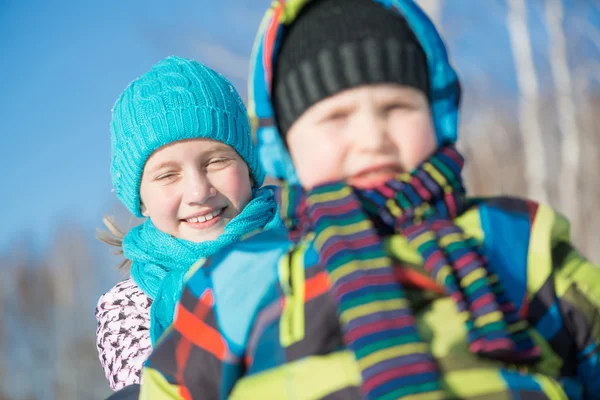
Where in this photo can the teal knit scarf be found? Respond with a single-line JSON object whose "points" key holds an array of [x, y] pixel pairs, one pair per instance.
{"points": [[161, 261]]}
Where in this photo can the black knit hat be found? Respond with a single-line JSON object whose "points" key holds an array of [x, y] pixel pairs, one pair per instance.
{"points": [[335, 45]]}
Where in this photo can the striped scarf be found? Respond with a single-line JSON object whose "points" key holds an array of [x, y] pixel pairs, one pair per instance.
{"points": [[374, 312]]}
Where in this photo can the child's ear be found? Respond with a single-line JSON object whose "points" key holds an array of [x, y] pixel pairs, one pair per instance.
{"points": [[143, 209]]}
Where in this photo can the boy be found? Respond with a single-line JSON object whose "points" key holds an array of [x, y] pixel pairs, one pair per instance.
{"points": [[390, 282]]}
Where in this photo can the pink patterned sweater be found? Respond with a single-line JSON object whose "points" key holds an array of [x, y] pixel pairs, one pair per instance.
{"points": [[122, 334]]}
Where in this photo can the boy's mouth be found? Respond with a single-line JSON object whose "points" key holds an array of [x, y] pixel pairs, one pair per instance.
{"points": [[205, 220], [372, 177]]}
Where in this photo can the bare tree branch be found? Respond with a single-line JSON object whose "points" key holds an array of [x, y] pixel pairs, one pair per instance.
{"points": [[570, 149], [535, 166]]}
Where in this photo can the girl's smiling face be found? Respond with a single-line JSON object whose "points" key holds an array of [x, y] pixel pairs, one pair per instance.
{"points": [[191, 189]]}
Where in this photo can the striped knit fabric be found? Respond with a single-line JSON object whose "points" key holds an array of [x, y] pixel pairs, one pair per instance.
{"points": [[376, 319], [421, 206]]}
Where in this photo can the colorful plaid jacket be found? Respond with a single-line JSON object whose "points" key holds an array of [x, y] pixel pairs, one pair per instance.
{"points": [[257, 321]]}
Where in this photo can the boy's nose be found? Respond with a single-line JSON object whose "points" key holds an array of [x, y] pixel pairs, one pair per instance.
{"points": [[371, 133]]}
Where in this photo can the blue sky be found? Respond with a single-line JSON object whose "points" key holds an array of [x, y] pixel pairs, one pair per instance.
{"points": [[65, 62]]}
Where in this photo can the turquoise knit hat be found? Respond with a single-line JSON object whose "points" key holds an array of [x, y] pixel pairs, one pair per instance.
{"points": [[177, 99]]}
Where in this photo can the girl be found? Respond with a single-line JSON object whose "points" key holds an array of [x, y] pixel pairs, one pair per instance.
{"points": [[183, 157]]}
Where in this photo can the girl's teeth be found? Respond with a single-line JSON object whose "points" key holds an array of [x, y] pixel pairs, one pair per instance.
{"points": [[204, 218]]}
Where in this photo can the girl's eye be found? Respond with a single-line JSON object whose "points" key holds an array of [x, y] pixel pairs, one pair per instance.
{"points": [[165, 177], [217, 162]]}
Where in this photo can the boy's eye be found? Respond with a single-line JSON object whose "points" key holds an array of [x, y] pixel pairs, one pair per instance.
{"points": [[395, 106], [337, 115]]}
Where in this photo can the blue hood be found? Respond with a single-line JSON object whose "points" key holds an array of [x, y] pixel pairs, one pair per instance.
{"points": [[444, 84]]}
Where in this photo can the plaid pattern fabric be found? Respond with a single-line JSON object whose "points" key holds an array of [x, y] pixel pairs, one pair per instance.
{"points": [[260, 316]]}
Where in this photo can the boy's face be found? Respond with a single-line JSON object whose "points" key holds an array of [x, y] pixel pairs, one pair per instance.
{"points": [[192, 189], [364, 136]]}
